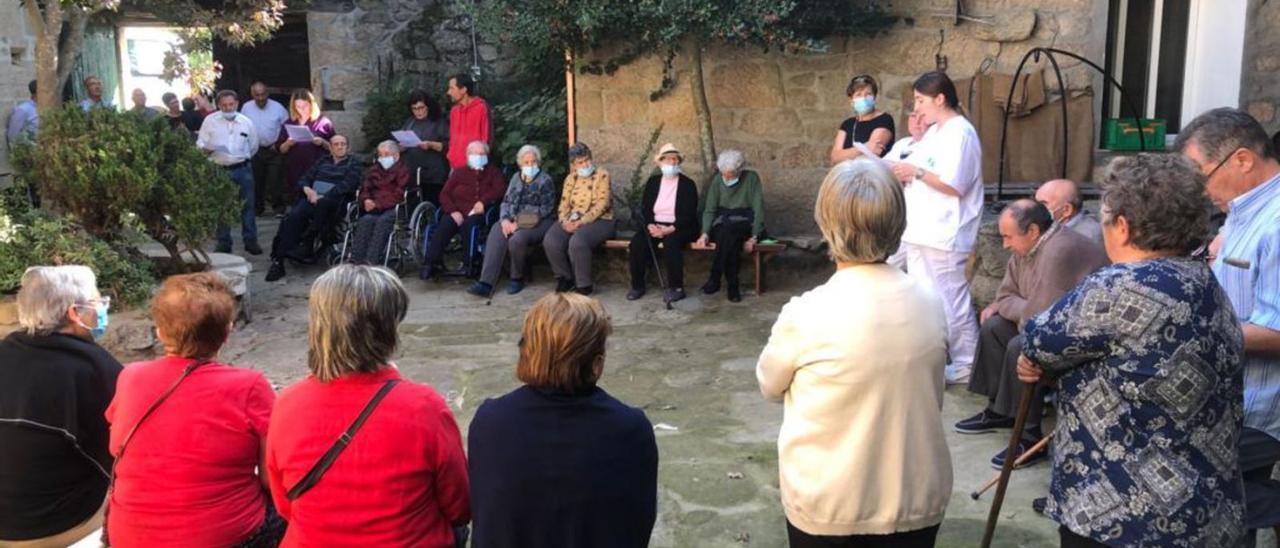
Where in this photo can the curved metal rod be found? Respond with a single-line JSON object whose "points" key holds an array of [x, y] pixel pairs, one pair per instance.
{"points": [[1062, 94]]}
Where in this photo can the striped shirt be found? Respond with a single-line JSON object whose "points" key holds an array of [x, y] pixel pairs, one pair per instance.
{"points": [[1248, 267]]}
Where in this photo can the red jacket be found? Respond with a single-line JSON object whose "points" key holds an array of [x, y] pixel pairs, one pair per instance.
{"points": [[385, 186], [467, 123], [401, 482], [467, 186]]}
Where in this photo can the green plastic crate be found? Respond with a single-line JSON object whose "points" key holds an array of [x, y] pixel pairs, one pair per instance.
{"points": [[1122, 134]]}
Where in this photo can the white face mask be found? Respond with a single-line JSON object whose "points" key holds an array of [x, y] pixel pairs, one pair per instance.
{"points": [[477, 161], [229, 116], [669, 170], [387, 162], [586, 170]]}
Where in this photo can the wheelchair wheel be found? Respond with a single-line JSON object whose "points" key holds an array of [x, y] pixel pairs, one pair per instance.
{"points": [[418, 221]]}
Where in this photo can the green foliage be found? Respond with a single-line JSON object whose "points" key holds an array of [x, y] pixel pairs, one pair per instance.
{"points": [[110, 171], [538, 120], [387, 111]]}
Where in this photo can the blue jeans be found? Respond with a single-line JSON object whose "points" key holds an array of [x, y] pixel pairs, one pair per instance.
{"points": [[242, 176]]}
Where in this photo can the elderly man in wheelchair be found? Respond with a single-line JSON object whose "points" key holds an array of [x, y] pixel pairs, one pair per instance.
{"points": [[327, 186], [468, 206], [383, 190]]}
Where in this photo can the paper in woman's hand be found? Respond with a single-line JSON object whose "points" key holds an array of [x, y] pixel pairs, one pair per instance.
{"points": [[406, 138], [301, 134]]}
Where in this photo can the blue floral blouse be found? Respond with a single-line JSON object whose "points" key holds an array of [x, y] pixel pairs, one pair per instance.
{"points": [[1147, 357]]}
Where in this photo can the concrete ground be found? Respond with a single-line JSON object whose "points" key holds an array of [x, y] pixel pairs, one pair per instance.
{"points": [[691, 369]]}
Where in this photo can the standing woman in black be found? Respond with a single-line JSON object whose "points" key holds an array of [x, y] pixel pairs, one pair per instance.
{"points": [[669, 208], [868, 125]]}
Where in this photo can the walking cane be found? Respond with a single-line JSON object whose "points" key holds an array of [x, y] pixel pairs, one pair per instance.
{"points": [[1039, 446], [1024, 407], [653, 253]]}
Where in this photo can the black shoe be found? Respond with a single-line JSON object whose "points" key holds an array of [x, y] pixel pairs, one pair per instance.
{"points": [[563, 284], [673, 294], [252, 248], [735, 294], [222, 248], [1024, 444], [515, 286], [635, 294], [480, 289], [276, 271], [711, 287], [430, 271], [584, 290], [986, 421], [1039, 504]]}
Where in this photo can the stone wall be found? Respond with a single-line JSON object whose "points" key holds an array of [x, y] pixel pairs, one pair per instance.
{"points": [[1260, 81], [353, 41], [783, 111], [17, 69]]}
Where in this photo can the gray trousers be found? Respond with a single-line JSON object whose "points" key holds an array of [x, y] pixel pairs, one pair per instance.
{"points": [[369, 244], [995, 371], [1258, 455], [498, 245], [570, 254]]}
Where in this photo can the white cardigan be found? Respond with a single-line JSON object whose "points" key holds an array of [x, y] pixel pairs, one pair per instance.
{"points": [[859, 361]]}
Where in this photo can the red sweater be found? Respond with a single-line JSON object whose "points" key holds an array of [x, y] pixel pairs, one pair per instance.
{"points": [[384, 186], [467, 123], [401, 482], [467, 186]]}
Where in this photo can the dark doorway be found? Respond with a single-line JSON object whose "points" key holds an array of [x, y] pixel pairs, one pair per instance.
{"points": [[283, 63]]}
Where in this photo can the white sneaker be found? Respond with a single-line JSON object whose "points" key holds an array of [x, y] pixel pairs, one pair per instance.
{"points": [[958, 374]]}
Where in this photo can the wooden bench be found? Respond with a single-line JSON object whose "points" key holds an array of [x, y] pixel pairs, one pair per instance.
{"points": [[758, 256]]}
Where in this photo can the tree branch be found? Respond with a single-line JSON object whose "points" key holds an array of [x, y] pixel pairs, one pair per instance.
{"points": [[77, 21]]}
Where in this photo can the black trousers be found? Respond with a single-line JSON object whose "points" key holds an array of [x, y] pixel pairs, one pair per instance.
{"points": [[919, 538], [728, 238], [446, 229], [1258, 455], [671, 254], [306, 219], [1067, 539], [268, 178], [995, 371]]}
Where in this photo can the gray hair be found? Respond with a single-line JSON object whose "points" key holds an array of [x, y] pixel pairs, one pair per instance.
{"points": [[579, 150], [48, 291], [481, 143], [529, 149], [730, 160], [1221, 131], [389, 146], [355, 311], [1026, 212], [1162, 198], [861, 212]]}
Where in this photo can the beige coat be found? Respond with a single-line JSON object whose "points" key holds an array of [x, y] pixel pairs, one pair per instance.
{"points": [[858, 362]]}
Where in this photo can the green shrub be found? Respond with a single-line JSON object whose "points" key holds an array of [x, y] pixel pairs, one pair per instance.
{"points": [[387, 109], [533, 119]]}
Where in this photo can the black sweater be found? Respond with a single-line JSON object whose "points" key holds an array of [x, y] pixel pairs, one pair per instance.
{"points": [[54, 391], [551, 470], [686, 202]]}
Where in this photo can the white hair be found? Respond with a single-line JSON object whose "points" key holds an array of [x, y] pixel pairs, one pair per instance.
{"points": [[389, 146], [482, 144], [48, 291], [530, 149], [730, 160]]}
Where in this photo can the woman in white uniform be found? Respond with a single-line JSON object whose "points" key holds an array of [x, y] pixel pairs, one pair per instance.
{"points": [[942, 181]]}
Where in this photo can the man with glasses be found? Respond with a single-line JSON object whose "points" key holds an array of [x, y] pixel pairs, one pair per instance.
{"points": [[1243, 179]]}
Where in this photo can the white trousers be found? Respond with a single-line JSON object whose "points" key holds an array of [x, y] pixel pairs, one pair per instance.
{"points": [[944, 272]]}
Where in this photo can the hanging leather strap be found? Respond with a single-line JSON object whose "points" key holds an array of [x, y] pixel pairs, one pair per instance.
{"points": [[321, 466]]}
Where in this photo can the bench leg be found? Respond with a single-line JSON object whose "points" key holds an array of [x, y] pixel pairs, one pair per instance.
{"points": [[759, 263]]}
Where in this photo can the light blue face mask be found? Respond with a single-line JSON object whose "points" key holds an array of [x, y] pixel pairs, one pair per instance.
{"points": [[229, 116], [669, 170], [529, 172], [97, 331], [864, 104], [586, 171], [386, 162], [731, 182], [477, 161]]}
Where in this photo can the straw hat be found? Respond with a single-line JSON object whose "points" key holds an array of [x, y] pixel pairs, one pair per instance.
{"points": [[668, 149]]}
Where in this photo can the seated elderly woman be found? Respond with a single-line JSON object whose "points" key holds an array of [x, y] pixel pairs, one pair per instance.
{"points": [[188, 431], [733, 218], [585, 221], [1146, 356], [56, 386], [858, 362], [468, 193], [382, 189], [326, 188], [558, 461], [402, 480], [669, 206], [527, 211]]}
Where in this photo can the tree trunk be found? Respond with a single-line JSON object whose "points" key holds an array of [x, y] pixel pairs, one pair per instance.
{"points": [[69, 53], [46, 27], [703, 113]]}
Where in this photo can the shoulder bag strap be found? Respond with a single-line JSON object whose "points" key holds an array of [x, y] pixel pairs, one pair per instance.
{"points": [[164, 396], [321, 466]]}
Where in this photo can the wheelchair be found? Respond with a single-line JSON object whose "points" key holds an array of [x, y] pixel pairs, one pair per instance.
{"points": [[459, 262], [402, 247]]}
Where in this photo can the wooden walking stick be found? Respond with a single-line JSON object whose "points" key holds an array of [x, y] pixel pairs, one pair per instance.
{"points": [[1039, 446], [1024, 407]]}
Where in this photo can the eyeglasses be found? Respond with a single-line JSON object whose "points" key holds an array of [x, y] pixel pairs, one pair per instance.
{"points": [[1220, 164], [416, 108], [104, 301]]}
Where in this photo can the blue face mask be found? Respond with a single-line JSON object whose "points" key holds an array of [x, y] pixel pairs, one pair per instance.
{"points": [[529, 172], [586, 171], [731, 182], [864, 104], [387, 162], [669, 170], [477, 161], [97, 331]]}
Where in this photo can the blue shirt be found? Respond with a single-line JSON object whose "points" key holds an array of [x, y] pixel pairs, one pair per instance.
{"points": [[1147, 361], [1248, 267], [23, 122]]}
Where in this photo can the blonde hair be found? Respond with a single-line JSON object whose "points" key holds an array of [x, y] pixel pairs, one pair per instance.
{"points": [[303, 95], [861, 212], [563, 336], [355, 312]]}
